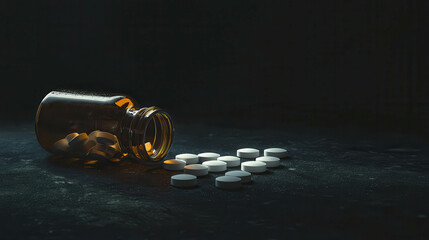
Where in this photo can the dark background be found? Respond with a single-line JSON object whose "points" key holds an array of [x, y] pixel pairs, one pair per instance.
{"points": [[315, 77], [360, 63]]}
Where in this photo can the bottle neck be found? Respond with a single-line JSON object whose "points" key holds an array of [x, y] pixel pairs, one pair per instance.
{"points": [[146, 133]]}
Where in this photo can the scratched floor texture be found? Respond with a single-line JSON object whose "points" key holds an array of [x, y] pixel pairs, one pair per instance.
{"points": [[335, 185]]}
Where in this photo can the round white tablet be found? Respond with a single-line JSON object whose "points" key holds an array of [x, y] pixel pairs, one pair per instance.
{"points": [[207, 156], [231, 161], [270, 161], [183, 180], [148, 147], [70, 136], [106, 138], [215, 165], [228, 182], [248, 153], [254, 166], [87, 146], [111, 150], [246, 177], [196, 169], [78, 141], [93, 135], [96, 154], [100, 147], [61, 146], [189, 158], [275, 152], [174, 165]]}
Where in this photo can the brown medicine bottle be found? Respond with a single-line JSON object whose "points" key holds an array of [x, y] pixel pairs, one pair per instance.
{"points": [[64, 112]]}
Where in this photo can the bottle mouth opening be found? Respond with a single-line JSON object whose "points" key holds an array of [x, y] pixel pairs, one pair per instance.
{"points": [[152, 135]]}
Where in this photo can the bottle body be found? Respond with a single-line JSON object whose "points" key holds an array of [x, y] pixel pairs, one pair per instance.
{"points": [[61, 113]]}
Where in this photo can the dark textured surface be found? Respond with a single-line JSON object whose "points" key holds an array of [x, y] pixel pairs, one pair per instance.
{"points": [[336, 184]]}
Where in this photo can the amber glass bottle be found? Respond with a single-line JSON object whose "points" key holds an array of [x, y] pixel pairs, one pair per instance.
{"points": [[61, 113]]}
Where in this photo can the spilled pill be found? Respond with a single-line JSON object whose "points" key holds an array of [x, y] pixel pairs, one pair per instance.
{"points": [[106, 138], [254, 166], [196, 170], [246, 177], [174, 165], [228, 182], [207, 156], [189, 158], [183, 180], [215, 165], [248, 153], [270, 161], [231, 161], [275, 152]]}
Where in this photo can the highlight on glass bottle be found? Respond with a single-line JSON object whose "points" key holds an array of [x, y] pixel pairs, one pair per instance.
{"points": [[102, 128]]}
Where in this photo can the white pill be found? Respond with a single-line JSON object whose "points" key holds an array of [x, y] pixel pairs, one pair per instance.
{"points": [[228, 182], [207, 156], [148, 147], [93, 135], [246, 177], [189, 158], [96, 154], [254, 166], [174, 165], [106, 138], [196, 170], [248, 153], [78, 140], [61, 146], [100, 147], [70, 136], [270, 161], [87, 147], [79, 144], [231, 161], [215, 165], [111, 150], [183, 180], [275, 152]]}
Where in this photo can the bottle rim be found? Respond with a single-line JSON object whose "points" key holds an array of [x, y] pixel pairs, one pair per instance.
{"points": [[140, 123]]}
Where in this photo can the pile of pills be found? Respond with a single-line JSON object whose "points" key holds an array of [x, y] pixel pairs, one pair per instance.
{"points": [[202, 164], [93, 148]]}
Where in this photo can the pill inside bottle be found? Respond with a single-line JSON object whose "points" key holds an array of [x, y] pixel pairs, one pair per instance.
{"points": [[114, 123]]}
